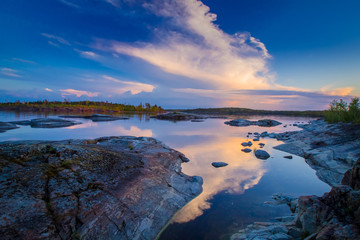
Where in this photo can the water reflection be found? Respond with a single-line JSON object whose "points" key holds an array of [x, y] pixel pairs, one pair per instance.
{"points": [[243, 172], [88, 124], [235, 193]]}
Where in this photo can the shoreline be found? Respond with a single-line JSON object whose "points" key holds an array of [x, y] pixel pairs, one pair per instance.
{"points": [[333, 151], [74, 110]]}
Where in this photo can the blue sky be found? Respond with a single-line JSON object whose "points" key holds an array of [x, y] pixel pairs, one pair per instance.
{"points": [[262, 54]]}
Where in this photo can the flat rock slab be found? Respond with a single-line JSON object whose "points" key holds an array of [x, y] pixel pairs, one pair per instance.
{"points": [[4, 126], [330, 149], [178, 117], [23, 123], [51, 123], [106, 188], [262, 123], [97, 117]]}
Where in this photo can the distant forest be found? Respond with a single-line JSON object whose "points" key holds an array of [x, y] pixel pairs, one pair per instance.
{"points": [[80, 106], [248, 111]]}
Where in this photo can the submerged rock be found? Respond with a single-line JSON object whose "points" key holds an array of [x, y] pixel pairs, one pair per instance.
{"points": [[262, 154], [23, 122], [262, 123], [219, 164], [97, 117], [197, 120], [4, 126], [106, 188]]}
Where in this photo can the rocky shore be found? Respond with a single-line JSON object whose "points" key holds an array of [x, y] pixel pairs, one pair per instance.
{"points": [[333, 150], [107, 188]]}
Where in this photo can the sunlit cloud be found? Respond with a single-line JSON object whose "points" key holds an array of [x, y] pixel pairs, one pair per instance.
{"points": [[345, 91], [57, 39], [48, 89], [203, 52], [9, 72], [133, 87], [78, 93]]}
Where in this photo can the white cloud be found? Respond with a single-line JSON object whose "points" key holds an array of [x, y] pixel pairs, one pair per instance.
{"points": [[78, 93], [10, 72], [125, 86], [53, 44], [87, 54], [56, 38], [70, 4], [115, 3], [23, 60], [204, 52]]}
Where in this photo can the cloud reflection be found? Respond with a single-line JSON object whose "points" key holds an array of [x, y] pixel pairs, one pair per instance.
{"points": [[244, 172]]}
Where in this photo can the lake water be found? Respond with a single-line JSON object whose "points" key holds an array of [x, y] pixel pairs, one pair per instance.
{"points": [[233, 196]]}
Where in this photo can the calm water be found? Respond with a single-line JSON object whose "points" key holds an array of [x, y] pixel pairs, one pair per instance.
{"points": [[233, 196]]}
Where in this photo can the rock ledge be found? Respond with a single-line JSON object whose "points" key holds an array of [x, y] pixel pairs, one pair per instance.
{"points": [[106, 188]]}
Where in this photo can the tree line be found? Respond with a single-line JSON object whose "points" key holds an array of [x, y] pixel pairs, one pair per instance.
{"points": [[341, 111], [80, 106]]}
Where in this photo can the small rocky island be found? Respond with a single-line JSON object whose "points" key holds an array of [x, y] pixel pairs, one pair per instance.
{"points": [[106, 188], [262, 123], [176, 116]]}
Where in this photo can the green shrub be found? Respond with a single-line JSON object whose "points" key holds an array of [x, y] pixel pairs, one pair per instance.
{"points": [[341, 111]]}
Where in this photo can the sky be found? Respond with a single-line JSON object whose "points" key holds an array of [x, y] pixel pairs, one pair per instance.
{"points": [[260, 54]]}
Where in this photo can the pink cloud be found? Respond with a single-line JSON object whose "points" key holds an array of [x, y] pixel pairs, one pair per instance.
{"points": [[78, 93]]}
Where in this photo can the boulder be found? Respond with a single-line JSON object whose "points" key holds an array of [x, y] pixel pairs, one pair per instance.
{"points": [[261, 154], [267, 123], [247, 144], [239, 122], [246, 150], [219, 164]]}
